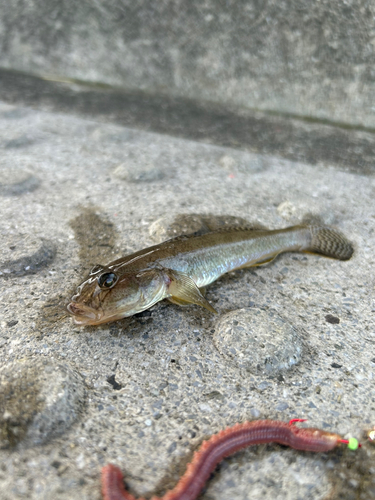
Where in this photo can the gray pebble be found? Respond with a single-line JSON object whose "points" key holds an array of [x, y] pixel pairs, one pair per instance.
{"points": [[281, 406]]}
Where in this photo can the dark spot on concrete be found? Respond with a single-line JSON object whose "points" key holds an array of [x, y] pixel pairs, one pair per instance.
{"points": [[332, 319], [13, 322], [111, 380], [96, 236], [29, 264], [336, 365], [144, 314]]}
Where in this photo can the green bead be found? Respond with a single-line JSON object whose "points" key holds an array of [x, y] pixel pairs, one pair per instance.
{"points": [[353, 444]]}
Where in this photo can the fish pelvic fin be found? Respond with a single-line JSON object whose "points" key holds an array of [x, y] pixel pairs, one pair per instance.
{"points": [[263, 262], [179, 302], [184, 291], [329, 242], [183, 303]]}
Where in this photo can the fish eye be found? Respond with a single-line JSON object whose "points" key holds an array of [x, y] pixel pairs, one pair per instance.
{"points": [[107, 280]]}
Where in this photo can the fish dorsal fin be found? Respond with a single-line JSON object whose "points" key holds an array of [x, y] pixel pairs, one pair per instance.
{"points": [[183, 290]]}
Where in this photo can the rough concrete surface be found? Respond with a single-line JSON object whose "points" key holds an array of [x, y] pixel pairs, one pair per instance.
{"points": [[292, 56], [294, 339]]}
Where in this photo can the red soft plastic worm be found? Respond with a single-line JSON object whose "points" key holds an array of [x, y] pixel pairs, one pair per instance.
{"points": [[222, 445]]}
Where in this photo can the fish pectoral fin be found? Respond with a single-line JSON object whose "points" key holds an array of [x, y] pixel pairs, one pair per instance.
{"points": [[184, 291]]}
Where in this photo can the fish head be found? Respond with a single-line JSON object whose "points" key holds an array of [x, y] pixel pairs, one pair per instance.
{"points": [[107, 296]]}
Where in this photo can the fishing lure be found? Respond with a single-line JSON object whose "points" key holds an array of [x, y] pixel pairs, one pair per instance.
{"points": [[226, 443]]}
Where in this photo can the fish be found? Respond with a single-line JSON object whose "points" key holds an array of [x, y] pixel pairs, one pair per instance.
{"points": [[179, 269]]}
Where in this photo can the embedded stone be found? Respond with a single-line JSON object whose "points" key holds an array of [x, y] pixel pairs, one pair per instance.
{"points": [[39, 399], [262, 342]]}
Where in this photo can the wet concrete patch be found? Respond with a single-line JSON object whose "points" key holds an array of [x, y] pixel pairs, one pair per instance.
{"points": [[39, 399], [96, 236], [23, 255], [261, 342]]}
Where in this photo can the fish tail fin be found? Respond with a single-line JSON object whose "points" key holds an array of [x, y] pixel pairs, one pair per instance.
{"points": [[329, 242]]}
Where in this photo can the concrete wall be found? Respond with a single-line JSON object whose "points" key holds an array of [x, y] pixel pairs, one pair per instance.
{"points": [[305, 57]]}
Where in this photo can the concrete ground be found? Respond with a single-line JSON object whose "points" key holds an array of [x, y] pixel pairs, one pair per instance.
{"points": [[294, 339]]}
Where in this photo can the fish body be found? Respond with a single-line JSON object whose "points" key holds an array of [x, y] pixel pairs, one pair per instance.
{"points": [[176, 269]]}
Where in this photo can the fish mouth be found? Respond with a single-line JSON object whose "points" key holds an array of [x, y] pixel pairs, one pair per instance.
{"points": [[84, 315]]}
